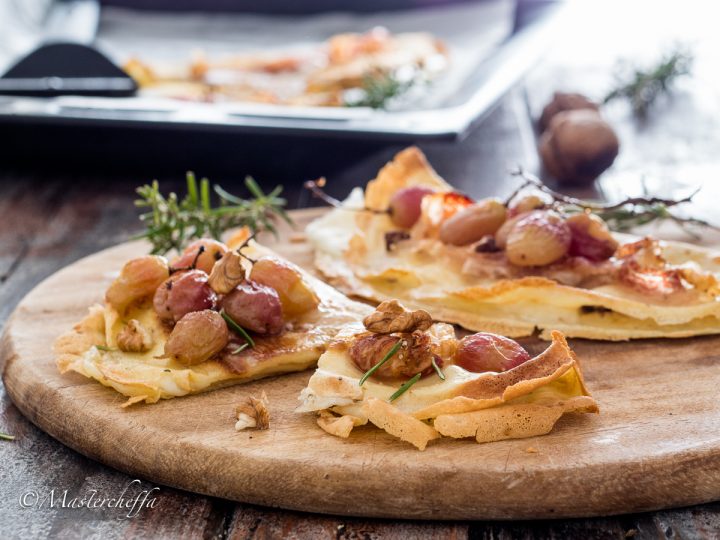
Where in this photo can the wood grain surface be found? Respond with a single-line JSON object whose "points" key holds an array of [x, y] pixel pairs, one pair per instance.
{"points": [[656, 443]]}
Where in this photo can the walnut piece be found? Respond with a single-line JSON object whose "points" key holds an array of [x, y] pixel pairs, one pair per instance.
{"points": [[253, 413], [134, 338], [390, 316], [227, 273]]}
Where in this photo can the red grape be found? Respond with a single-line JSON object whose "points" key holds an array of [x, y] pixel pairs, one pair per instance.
{"points": [[183, 293], [489, 352], [212, 252], [255, 307], [405, 205]]}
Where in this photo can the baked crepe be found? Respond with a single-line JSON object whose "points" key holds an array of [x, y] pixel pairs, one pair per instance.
{"points": [[523, 402], [91, 348], [351, 253]]}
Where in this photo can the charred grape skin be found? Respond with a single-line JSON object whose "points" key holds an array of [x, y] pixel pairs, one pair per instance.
{"points": [[255, 307], [197, 337], [538, 239], [591, 237], [211, 253], [183, 293], [473, 222], [296, 296], [138, 279], [405, 205], [484, 351]]}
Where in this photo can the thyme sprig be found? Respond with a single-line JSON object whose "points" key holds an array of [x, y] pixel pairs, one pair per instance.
{"points": [[405, 387], [620, 216], [642, 87], [6, 437], [171, 222], [387, 357]]}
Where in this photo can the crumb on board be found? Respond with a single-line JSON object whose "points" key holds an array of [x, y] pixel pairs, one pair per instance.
{"points": [[532, 450], [253, 413]]}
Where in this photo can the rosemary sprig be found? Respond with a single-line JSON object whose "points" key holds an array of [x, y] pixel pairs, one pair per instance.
{"points": [[239, 329], [405, 387], [621, 216], [241, 348], [387, 357], [172, 222], [6, 437], [437, 369], [103, 348], [378, 89], [643, 87]]}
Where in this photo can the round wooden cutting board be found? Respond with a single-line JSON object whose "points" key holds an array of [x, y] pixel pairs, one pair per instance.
{"points": [[655, 444]]}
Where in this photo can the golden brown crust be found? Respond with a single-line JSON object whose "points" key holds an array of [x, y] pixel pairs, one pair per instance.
{"points": [[548, 385], [398, 423]]}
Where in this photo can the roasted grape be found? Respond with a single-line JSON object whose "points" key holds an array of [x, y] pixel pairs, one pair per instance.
{"points": [[182, 293], [473, 222], [489, 352], [296, 296], [591, 237], [138, 279], [405, 205], [212, 251], [528, 203], [538, 239], [255, 307], [198, 336]]}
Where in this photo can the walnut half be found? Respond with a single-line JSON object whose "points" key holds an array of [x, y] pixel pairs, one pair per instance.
{"points": [[390, 316], [227, 273], [134, 338], [253, 413]]}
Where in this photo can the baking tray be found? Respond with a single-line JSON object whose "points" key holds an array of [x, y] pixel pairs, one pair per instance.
{"points": [[497, 67]]}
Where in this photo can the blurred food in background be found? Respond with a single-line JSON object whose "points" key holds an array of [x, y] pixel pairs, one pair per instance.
{"points": [[348, 69]]}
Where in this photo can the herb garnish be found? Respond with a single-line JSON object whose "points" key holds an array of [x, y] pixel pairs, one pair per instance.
{"points": [[239, 329], [379, 88], [172, 223], [405, 386], [387, 357], [241, 348], [6, 437], [621, 216], [103, 348], [438, 370], [642, 87]]}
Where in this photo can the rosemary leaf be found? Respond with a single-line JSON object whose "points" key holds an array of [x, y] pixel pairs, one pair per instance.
{"points": [[103, 348], [239, 329], [172, 223], [378, 89], [642, 87], [6, 437], [438, 370], [241, 348], [405, 387], [387, 357]]}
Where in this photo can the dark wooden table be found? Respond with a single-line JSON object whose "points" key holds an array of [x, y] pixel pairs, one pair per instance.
{"points": [[57, 206]]}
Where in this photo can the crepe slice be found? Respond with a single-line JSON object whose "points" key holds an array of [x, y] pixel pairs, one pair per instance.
{"points": [[524, 400], [127, 347], [537, 269]]}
